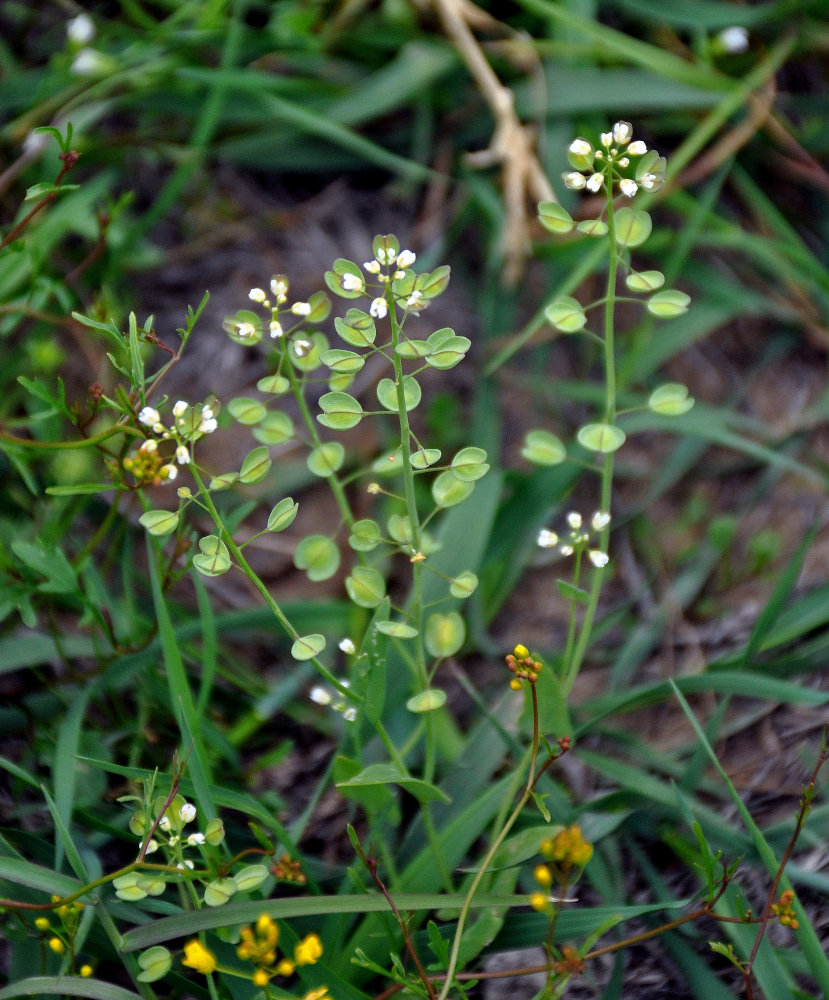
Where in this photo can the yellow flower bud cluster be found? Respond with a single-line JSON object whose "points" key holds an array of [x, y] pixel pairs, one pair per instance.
{"points": [[523, 666], [568, 848], [259, 945], [784, 910]]}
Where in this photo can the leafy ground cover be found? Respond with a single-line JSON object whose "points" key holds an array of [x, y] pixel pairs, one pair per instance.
{"points": [[259, 735]]}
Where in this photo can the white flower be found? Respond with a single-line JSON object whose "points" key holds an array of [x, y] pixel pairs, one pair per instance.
{"points": [[372, 266], [182, 455], [302, 347], [275, 328], [386, 256], [378, 309], [320, 695], [406, 258], [207, 425], [180, 409], [149, 416], [637, 148], [149, 446], [89, 62], [80, 29], [566, 550], [599, 559], [624, 161], [574, 180], [628, 187], [152, 846], [574, 519], [168, 472], [594, 182], [245, 330], [347, 646], [279, 288], [649, 182], [414, 300], [351, 282], [187, 863], [606, 139], [600, 520], [350, 714], [187, 813], [622, 133], [547, 539], [257, 295], [734, 39], [164, 823], [301, 308], [195, 839], [580, 147]]}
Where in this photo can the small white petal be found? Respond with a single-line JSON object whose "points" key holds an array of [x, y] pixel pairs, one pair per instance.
{"points": [[379, 308], [547, 539], [599, 559], [208, 426], [279, 288], [600, 520], [594, 182], [372, 266], [89, 62], [566, 550], [320, 695], [607, 139], [245, 330]]}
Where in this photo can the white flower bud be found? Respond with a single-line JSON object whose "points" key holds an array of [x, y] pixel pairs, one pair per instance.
{"points": [[180, 408], [595, 182], [90, 62], [208, 426], [195, 839], [187, 813], [320, 695], [733, 40], [379, 308], [606, 139], [637, 148], [566, 550], [301, 308], [628, 187], [149, 416], [182, 455], [257, 295], [580, 147], [574, 520], [152, 846], [372, 266], [599, 559], [406, 258], [81, 29], [547, 539], [245, 330], [347, 646], [600, 520], [351, 282], [350, 714], [622, 133], [279, 287], [275, 329], [168, 472], [574, 180]]}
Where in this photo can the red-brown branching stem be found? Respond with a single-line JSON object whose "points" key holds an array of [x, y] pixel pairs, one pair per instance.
{"points": [[69, 161]]}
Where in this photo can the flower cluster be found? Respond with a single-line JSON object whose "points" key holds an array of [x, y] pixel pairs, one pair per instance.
{"points": [[259, 945], [190, 423], [60, 938], [566, 854], [599, 169], [578, 538], [287, 869], [524, 666], [324, 696], [784, 910], [390, 266], [279, 291]]}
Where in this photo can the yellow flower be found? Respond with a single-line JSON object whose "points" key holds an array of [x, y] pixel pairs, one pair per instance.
{"points": [[320, 993], [543, 876], [197, 957], [57, 946], [285, 968], [86, 971], [260, 978], [308, 950]]}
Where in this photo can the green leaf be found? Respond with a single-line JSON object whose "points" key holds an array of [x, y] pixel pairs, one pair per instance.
{"points": [[357, 328], [320, 307], [397, 630], [424, 457], [51, 563], [604, 438], [345, 362], [275, 428], [449, 351], [593, 227], [365, 586], [219, 891], [387, 393], [426, 701], [669, 303], [318, 556], [469, 464], [365, 535], [276, 385], [256, 466], [444, 634], [449, 491], [340, 411], [327, 459], [159, 522], [214, 558], [633, 227], [571, 592], [566, 314], [543, 448], [66, 986], [554, 218], [246, 411], [645, 281], [464, 585], [433, 283], [283, 514], [388, 774], [400, 528], [308, 646], [671, 400]]}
